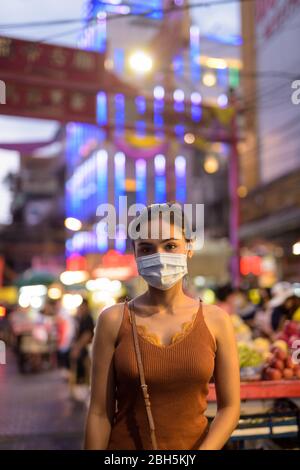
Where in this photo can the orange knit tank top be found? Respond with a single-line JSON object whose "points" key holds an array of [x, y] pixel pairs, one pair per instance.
{"points": [[177, 376]]}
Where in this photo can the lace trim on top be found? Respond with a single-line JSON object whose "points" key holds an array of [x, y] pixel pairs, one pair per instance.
{"points": [[154, 339]]}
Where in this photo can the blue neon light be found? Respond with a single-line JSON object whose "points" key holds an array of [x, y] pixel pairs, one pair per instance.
{"points": [[120, 241], [196, 112], [140, 127], [178, 65], [119, 60], [179, 130], [233, 40], [81, 184], [120, 175], [180, 175], [222, 77], [119, 112], [102, 194], [141, 104], [102, 108], [140, 6], [160, 178], [141, 181], [158, 108]]}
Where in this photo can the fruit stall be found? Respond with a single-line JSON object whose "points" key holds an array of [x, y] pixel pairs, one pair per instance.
{"points": [[266, 359], [270, 384]]}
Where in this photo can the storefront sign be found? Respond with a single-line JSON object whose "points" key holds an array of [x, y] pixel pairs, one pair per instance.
{"points": [[49, 102], [63, 66]]}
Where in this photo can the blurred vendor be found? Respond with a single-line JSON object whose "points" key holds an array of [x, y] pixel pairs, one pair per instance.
{"points": [[83, 337], [283, 304]]}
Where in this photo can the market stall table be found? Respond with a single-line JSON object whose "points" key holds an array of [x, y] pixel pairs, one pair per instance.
{"points": [[259, 420]]}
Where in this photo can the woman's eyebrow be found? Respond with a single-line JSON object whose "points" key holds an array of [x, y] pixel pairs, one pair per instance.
{"points": [[169, 240]]}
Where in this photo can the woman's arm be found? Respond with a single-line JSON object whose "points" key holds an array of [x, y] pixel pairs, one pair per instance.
{"points": [[227, 380], [102, 405]]}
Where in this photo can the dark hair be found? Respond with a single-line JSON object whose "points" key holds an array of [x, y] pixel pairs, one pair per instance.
{"points": [[177, 217], [223, 291]]}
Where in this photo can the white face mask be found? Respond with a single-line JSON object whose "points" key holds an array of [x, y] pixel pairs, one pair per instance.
{"points": [[162, 270]]}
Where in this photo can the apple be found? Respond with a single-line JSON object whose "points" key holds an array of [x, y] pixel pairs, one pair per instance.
{"points": [[282, 337], [292, 339], [297, 372], [291, 328], [269, 358], [277, 364], [273, 374], [282, 355], [274, 349], [288, 374], [289, 363]]}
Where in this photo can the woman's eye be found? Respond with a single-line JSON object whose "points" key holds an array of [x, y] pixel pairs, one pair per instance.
{"points": [[144, 250], [171, 246]]}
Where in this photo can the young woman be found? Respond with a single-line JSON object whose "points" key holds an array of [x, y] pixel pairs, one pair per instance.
{"points": [[183, 343]]}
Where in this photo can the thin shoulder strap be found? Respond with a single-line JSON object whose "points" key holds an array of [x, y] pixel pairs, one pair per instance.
{"points": [[144, 386]]}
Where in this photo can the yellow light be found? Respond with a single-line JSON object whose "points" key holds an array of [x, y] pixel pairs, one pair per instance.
{"points": [[216, 63], [73, 224], [189, 138], [102, 283], [296, 248], [2, 311], [73, 277], [54, 293], [72, 301], [211, 164], [130, 184], [115, 286], [32, 291], [242, 191], [103, 297], [254, 296], [36, 302], [140, 62], [208, 296], [24, 301], [209, 79]]}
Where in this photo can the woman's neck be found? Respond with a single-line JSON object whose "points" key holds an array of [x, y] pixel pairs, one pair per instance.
{"points": [[165, 298]]}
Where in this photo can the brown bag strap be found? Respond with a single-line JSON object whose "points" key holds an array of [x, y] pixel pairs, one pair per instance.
{"points": [[144, 386]]}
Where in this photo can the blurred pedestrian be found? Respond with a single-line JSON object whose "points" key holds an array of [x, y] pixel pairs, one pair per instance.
{"points": [[225, 298], [65, 334], [79, 353], [262, 319]]}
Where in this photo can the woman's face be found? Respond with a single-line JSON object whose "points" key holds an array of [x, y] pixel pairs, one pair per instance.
{"points": [[173, 243]]}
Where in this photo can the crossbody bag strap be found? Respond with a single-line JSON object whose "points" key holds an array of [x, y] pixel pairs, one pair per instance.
{"points": [[144, 386]]}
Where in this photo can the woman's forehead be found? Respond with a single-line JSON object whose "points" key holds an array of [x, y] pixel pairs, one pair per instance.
{"points": [[159, 229]]}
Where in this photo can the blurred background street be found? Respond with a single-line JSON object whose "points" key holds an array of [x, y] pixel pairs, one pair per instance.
{"points": [[37, 412]]}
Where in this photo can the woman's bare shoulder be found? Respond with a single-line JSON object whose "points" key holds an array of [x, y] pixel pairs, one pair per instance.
{"points": [[216, 317], [110, 319]]}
